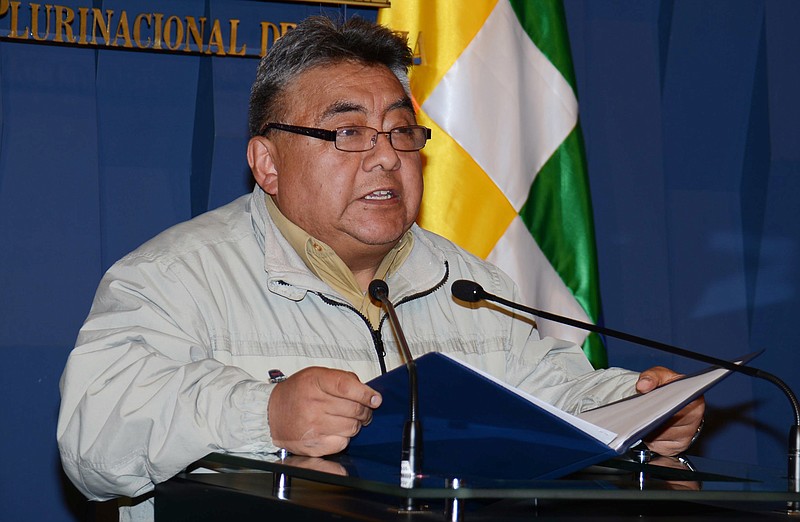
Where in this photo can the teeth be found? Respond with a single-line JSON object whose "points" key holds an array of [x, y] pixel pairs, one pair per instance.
{"points": [[379, 195]]}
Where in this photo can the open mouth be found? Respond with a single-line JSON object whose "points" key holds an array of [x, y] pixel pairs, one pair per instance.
{"points": [[379, 195]]}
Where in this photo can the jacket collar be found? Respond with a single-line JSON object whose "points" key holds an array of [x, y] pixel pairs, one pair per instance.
{"points": [[288, 275]]}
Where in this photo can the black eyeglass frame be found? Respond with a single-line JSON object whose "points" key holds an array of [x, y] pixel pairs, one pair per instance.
{"points": [[330, 135]]}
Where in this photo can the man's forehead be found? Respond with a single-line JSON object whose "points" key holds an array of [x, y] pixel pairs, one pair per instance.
{"points": [[348, 87], [349, 106]]}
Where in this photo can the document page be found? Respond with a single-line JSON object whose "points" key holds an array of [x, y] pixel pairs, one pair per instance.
{"points": [[633, 417]]}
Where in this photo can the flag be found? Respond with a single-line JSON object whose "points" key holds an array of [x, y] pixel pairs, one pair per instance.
{"points": [[505, 172]]}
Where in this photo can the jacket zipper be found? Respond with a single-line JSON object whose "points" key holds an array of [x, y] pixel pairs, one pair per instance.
{"points": [[377, 340]]}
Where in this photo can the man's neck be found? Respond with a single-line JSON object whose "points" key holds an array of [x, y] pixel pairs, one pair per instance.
{"points": [[362, 262], [364, 277]]}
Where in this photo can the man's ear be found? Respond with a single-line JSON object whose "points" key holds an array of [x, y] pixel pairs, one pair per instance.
{"points": [[260, 156]]}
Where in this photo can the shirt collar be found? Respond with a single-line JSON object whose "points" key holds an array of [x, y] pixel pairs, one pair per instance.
{"points": [[329, 267]]}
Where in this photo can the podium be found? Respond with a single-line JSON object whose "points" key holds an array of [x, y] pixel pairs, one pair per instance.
{"points": [[265, 487]]}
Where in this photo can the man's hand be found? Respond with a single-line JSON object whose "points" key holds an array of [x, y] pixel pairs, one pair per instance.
{"points": [[676, 435], [316, 411]]}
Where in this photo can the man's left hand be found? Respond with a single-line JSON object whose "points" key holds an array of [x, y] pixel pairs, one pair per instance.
{"points": [[678, 433]]}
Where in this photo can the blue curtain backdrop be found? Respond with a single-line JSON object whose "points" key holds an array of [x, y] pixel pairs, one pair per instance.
{"points": [[689, 110], [690, 114], [99, 151]]}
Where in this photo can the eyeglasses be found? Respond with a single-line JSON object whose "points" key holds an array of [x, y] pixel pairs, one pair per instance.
{"points": [[407, 138]]}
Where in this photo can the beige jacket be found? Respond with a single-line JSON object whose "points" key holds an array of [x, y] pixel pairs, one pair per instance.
{"points": [[172, 362]]}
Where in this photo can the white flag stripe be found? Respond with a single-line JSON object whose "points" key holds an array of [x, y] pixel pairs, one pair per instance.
{"points": [[538, 281], [480, 99]]}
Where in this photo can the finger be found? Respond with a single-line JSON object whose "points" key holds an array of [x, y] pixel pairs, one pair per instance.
{"points": [[691, 415], [346, 385], [334, 444], [348, 409], [333, 426], [344, 427], [302, 413], [672, 441], [327, 435], [684, 424], [655, 377], [680, 431], [667, 448]]}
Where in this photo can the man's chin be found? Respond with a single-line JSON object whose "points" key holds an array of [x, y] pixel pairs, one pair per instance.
{"points": [[387, 241], [379, 236]]}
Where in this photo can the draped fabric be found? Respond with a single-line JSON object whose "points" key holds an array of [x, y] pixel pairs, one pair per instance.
{"points": [[506, 174]]}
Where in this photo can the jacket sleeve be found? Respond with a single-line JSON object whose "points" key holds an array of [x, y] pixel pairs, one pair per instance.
{"points": [[558, 371], [142, 396]]}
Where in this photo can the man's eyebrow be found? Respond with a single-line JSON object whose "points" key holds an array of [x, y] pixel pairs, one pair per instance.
{"points": [[402, 103], [341, 107]]}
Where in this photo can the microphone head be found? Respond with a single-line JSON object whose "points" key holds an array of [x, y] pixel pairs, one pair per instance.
{"points": [[468, 291], [378, 289]]}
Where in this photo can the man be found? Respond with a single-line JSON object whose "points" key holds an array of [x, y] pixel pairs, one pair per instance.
{"points": [[174, 359]]}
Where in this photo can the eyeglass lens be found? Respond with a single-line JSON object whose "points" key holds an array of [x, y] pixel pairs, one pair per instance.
{"points": [[403, 139]]}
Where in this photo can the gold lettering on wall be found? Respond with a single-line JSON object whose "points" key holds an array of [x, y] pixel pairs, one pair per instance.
{"points": [[234, 31], [35, 22], [158, 37], [95, 27], [14, 18], [194, 33], [64, 18], [363, 3], [123, 31], [268, 28], [137, 30], [173, 44], [105, 29]]}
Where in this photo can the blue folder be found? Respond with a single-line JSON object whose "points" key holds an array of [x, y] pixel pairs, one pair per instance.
{"points": [[473, 428]]}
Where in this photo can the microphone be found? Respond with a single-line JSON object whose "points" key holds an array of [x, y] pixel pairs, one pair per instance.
{"points": [[472, 292], [411, 456]]}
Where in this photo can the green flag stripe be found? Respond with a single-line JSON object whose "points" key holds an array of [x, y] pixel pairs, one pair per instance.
{"points": [[595, 351], [545, 23], [558, 211], [558, 214]]}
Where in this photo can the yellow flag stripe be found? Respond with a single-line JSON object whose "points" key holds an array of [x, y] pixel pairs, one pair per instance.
{"points": [[436, 48], [461, 202]]}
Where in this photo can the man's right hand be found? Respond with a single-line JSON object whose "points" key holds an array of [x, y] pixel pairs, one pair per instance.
{"points": [[316, 411]]}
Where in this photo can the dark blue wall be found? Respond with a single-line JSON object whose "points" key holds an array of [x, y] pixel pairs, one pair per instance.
{"points": [[689, 110], [99, 151], [690, 113]]}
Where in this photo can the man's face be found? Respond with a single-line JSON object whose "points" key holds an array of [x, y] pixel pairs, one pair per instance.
{"points": [[359, 203]]}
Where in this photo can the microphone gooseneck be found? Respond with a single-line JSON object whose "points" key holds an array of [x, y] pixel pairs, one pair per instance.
{"points": [[472, 292], [411, 461]]}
